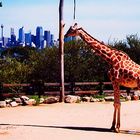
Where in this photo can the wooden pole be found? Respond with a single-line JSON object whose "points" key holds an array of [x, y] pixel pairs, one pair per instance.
{"points": [[61, 49]]}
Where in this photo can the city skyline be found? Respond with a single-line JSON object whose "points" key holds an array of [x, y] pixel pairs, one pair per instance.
{"points": [[105, 20], [41, 39], [16, 30]]}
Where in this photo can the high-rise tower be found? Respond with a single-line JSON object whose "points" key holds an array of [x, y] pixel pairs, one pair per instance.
{"points": [[13, 37], [21, 36], [2, 37], [39, 37], [2, 30], [47, 37], [28, 39]]}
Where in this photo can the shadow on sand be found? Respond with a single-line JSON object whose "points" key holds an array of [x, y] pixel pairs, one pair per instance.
{"points": [[97, 129]]}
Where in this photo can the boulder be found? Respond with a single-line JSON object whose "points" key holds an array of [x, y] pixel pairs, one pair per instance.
{"points": [[31, 102], [8, 101], [2, 104], [94, 99], [137, 92], [109, 98], [128, 98], [86, 99], [101, 100], [51, 100], [25, 98], [13, 104], [135, 97], [72, 99], [42, 100], [18, 100]]}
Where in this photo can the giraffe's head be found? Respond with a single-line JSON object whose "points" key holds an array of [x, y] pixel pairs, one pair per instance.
{"points": [[72, 31]]}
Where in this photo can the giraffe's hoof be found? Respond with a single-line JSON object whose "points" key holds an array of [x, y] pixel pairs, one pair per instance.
{"points": [[117, 130], [113, 129]]}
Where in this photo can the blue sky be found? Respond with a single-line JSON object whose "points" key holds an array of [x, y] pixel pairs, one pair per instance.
{"points": [[106, 20]]}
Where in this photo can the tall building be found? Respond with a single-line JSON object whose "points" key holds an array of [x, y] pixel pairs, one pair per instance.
{"points": [[52, 40], [28, 39], [13, 37], [21, 38], [47, 38], [5, 41], [33, 39], [39, 38], [2, 34]]}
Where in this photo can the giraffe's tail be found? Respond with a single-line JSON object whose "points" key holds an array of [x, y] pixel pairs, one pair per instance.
{"points": [[138, 83]]}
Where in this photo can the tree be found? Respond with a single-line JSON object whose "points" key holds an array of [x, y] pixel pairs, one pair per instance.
{"points": [[133, 43], [131, 46], [24, 64], [13, 71], [81, 64]]}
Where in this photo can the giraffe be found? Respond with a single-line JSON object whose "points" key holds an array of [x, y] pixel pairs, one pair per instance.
{"points": [[123, 71]]}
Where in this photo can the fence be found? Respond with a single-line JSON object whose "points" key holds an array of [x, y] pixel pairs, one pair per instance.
{"points": [[75, 88]]}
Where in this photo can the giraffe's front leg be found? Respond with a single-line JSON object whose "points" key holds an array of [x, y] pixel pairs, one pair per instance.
{"points": [[116, 117], [116, 126]]}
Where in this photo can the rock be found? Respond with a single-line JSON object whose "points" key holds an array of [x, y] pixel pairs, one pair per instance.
{"points": [[86, 99], [25, 98], [18, 100], [42, 100], [2, 104], [94, 99], [135, 97], [123, 100], [51, 100], [128, 98], [109, 98], [8, 101], [31, 102], [101, 100], [137, 92], [14, 104], [72, 99]]}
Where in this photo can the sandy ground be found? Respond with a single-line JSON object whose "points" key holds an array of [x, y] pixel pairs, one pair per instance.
{"points": [[60, 121]]}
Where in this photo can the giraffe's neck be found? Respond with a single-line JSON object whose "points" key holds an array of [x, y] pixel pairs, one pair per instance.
{"points": [[100, 48]]}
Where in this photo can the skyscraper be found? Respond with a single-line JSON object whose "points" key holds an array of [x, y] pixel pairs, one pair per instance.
{"points": [[47, 37], [13, 37], [28, 39], [39, 38], [52, 40], [33, 39], [21, 36], [2, 40]]}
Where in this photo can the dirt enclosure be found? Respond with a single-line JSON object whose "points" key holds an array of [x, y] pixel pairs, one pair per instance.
{"points": [[60, 121]]}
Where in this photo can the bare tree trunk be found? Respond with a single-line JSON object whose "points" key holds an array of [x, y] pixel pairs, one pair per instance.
{"points": [[61, 50]]}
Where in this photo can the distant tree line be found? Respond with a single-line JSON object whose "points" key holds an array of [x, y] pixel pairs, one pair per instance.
{"points": [[24, 64]]}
